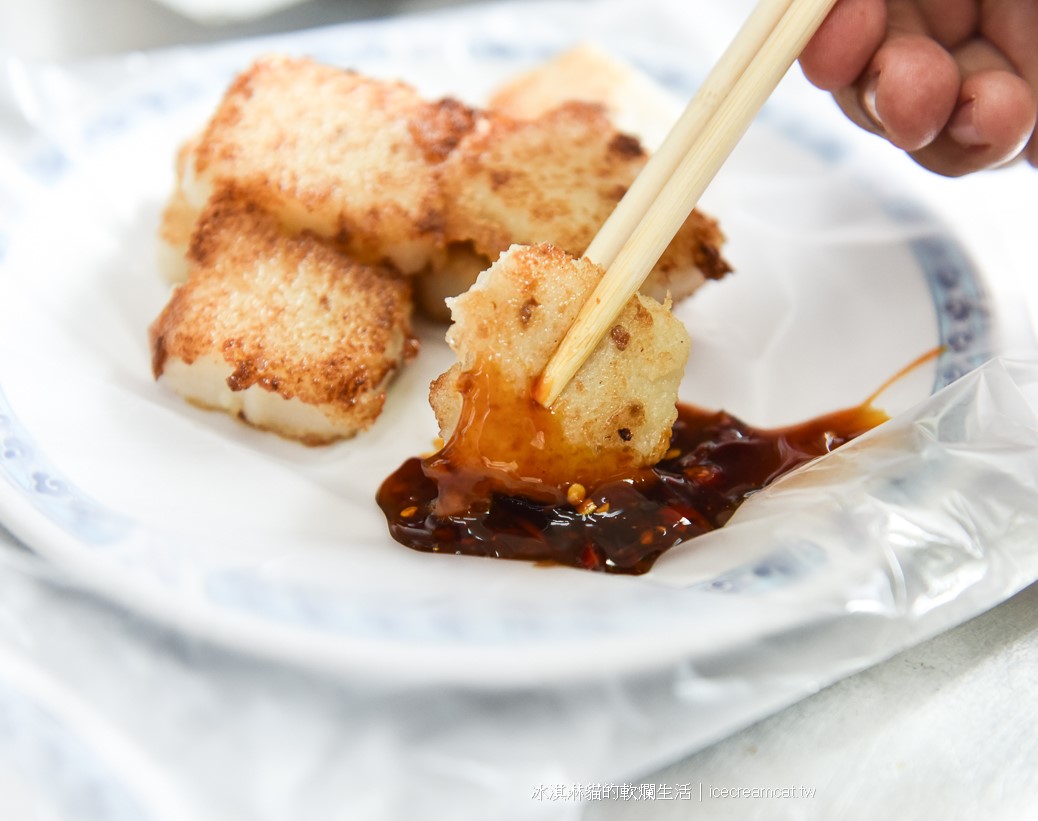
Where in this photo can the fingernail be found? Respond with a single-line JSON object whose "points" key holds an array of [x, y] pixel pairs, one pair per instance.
{"points": [[868, 101], [962, 127]]}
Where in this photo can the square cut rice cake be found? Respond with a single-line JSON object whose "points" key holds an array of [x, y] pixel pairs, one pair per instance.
{"points": [[614, 415], [333, 152], [435, 186], [555, 178], [281, 329], [551, 166]]}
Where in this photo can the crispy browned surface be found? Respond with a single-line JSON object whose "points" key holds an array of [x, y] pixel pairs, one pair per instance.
{"points": [[438, 127], [620, 406], [333, 152], [286, 312], [391, 177], [556, 179]]}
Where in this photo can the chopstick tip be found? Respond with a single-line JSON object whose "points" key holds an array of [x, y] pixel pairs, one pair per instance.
{"points": [[543, 390]]}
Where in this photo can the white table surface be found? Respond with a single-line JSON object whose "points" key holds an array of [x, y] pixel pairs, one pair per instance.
{"points": [[948, 729]]}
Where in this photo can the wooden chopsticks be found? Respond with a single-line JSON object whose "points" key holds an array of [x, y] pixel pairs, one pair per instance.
{"points": [[668, 188]]}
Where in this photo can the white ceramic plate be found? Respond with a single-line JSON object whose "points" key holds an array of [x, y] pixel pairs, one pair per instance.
{"points": [[280, 549]]}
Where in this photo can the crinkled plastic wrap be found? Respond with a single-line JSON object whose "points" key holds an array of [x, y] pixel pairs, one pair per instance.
{"points": [[924, 523], [114, 705]]}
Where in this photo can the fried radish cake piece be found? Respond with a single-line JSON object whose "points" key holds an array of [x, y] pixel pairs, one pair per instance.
{"points": [[613, 418], [633, 101], [555, 179], [330, 151], [281, 329]]}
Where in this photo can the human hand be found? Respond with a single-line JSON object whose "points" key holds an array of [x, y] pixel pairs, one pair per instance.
{"points": [[952, 82]]}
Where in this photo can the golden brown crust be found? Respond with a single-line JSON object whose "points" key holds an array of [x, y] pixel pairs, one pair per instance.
{"points": [[556, 179], [438, 127], [286, 312], [336, 153], [552, 179]]}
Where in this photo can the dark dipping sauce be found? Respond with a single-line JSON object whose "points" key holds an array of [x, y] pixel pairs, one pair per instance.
{"points": [[714, 463]]}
